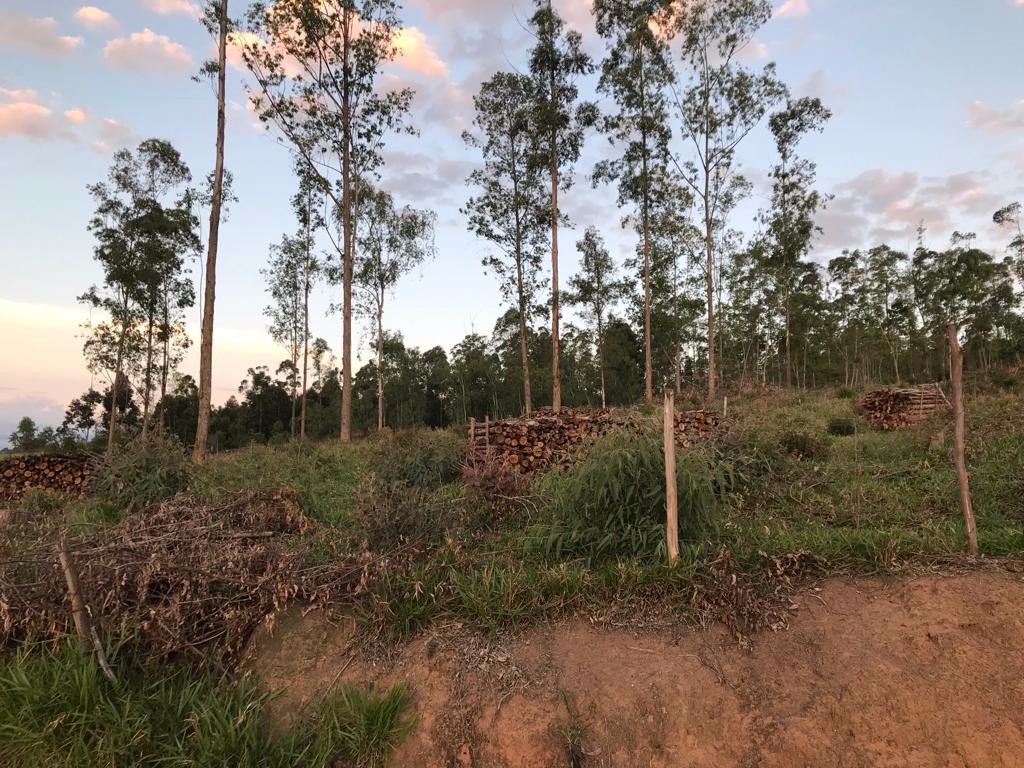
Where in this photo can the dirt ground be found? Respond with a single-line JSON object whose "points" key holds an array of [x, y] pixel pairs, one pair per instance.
{"points": [[924, 671]]}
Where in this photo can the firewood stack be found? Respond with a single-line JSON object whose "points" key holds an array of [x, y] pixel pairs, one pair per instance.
{"points": [[546, 440], [70, 474], [894, 408]]}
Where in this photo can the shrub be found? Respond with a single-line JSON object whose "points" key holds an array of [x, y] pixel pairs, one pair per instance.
{"points": [[845, 393], [496, 487], [841, 426], [42, 500], [390, 516], [144, 471], [613, 502], [803, 445], [417, 457]]}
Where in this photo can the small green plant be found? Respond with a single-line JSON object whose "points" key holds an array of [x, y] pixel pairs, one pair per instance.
{"points": [[845, 393], [42, 501], [59, 710], [144, 471], [368, 724], [417, 457], [612, 503], [841, 426], [392, 515], [804, 445]]}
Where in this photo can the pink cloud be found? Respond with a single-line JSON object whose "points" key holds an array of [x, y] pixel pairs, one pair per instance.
{"points": [[76, 115], [993, 119], [167, 7], [27, 119], [147, 50], [793, 9], [37, 35], [95, 18], [416, 53]]}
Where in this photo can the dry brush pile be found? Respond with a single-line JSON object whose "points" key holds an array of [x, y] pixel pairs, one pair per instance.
{"points": [[181, 578], [893, 408], [547, 439], [70, 474]]}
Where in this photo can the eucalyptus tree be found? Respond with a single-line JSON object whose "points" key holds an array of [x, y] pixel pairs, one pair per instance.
{"points": [[393, 242], [510, 209], [635, 74], [215, 18], [556, 61], [718, 102], [317, 67], [1010, 216], [285, 312], [142, 236], [794, 205], [597, 288]]}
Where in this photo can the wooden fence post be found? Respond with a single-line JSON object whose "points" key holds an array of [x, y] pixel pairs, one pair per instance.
{"points": [[487, 437], [956, 370], [472, 439], [671, 502]]}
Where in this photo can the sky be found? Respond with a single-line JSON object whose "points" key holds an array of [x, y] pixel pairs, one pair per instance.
{"points": [[928, 127]]}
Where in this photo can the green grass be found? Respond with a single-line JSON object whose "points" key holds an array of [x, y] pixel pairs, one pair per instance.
{"points": [[58, 710]]}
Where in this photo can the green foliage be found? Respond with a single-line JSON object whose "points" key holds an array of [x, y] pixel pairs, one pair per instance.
{"points": [[841, 426], [59, 710], [424, 458], [391, 516], [144, 471], [612, 504], [845, 393], [803, 445], [42, 501]]}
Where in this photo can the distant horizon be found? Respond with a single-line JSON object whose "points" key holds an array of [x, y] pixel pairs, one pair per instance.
{"points": [[928, 128]]}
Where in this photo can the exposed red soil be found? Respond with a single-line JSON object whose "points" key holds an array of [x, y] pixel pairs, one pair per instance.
{"points": [[923, 671]]}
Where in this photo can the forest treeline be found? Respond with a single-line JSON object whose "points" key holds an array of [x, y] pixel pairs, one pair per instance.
{"points": [[701, 303]]}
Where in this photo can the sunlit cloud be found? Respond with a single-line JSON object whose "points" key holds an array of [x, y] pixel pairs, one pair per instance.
{"points": [[76, 115], [148, 51], [793, 9], [95, 18], [167, 7], [37, 35], [416, 54]]}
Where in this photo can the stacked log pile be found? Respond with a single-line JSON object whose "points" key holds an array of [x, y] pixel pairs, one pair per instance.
{"points": [[546, 439], [69, 474], [893, 408]]}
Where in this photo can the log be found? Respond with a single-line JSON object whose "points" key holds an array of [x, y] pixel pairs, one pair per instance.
{"points": [[69, 474]]}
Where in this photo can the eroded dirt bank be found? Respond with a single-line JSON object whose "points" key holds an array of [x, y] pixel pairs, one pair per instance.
{"points": [[921, 671]]}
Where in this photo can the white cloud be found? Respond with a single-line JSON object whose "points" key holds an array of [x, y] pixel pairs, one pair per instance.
{"points": [[95, 18], [793, 9], [38, 35], [27, 119], [166, 7], [995, 120], [147, 50]]}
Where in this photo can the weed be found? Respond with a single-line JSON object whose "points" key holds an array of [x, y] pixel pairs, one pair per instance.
{"points": [[803, 445], [841, 426], [417, 457], [613, 502], [144, 471], [59, 710]]}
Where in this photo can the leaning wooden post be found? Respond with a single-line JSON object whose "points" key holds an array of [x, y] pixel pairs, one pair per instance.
{"points": [[472, 439], [956, 370], [671, 502], [83, 624]]}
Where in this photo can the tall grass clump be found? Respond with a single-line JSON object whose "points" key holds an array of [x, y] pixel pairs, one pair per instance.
{"points": [[57, 710], [146, 470], [612, 503], [419, 457]]}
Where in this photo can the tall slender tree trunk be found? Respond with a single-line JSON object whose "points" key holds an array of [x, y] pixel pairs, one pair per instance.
{"points": [[345, 430], [380, 361], [600, 357], [709, 246], [210, 289], [527, 398], [556, 383], [789, 341], [148, 383], [305, 323], [646, 234]]}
